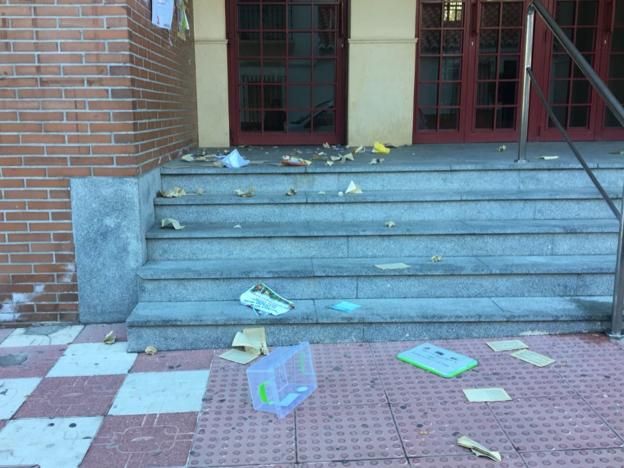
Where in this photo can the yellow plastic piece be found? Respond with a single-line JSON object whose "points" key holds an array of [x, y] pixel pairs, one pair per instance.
{"points": [[380, 148]]}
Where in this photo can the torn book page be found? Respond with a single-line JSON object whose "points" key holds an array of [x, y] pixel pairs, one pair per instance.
{"points": [[263, 300], [506, 345], [478, 449], [392, 266], [532, 357], [481, 395]]}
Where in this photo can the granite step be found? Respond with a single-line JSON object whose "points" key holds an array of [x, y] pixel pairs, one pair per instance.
{"points": [[318, 278], [188, 325], [325, 239], [399, 205]]}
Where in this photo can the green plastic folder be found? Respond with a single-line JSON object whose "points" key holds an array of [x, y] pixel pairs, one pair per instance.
{"points": [[438, 361]]}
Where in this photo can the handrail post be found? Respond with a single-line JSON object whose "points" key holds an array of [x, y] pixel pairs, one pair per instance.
{"points": [[526, 85], [618, 287]]}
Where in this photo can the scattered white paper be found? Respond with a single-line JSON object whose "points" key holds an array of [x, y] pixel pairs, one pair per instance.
{"points": [[482, 395], [506, 345], [532, 357], [162, 13], [392, 266], [353, 189]]}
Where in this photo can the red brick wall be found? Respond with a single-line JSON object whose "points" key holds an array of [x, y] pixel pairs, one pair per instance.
{"points": [[87, 88]]}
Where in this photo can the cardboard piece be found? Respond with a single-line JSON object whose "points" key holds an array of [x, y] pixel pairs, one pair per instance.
{"points": [[248, 345], [506, 345], [481, 395], [532, 357], [392, 266], [478, 449], [175, 192], [345, 306]]}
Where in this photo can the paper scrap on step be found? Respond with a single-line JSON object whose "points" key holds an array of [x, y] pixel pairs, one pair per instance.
{"points": [[175, 192], [294, 161], [342, 158], [151, 350], [478, 449], [392, 266], [234, 160], [547, 157], [358, 150], [353, 189], [250, 192], [436, 259], [501, 148], [620, 152], [532, 357], [171, 223], [291, 192], [263, 300], [247, 346], [188, 158], [481, 395], [506, 345], [380, 148], [390, 224], [110, 338], [345, 306], [326, 145], [162, 13], [376, 161]]}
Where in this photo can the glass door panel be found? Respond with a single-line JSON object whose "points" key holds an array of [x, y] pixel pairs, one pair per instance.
{"points": [[616, 63], [287, 61]]}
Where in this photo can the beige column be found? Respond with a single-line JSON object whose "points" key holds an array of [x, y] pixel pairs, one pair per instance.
{"points": [[211, 72], [382, 60]]}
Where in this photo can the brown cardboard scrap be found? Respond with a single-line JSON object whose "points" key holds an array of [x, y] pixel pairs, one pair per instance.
{"points": [[478, 449], [248, 345], [175, 192]]}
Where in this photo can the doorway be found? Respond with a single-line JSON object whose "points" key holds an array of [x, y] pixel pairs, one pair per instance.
{"points": [[469, 58], [287, 71]]}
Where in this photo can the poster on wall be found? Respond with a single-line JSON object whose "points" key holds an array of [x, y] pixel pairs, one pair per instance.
{"points": [[162, 13]]}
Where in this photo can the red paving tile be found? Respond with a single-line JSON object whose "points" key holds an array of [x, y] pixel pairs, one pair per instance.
{"points": [[605, 458], [165, 361], [335, 433], [227, 386], [363, 463], [469, 461], [430, 429], [30, 361], [71, 396], [240, 436], [95, 333], [142, 441], [535, 424]]}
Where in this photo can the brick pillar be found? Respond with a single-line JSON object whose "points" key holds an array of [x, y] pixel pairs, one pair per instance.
{"points": [[88, 89]]}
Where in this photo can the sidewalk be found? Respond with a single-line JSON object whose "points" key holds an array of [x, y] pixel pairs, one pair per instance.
{"points": [[67, 399]]}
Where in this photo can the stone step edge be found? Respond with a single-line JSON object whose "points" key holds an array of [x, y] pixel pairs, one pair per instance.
{"points": [[195, 230], [356, 267], [380, 196], [416, 310]]}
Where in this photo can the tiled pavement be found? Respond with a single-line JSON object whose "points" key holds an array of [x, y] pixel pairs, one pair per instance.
{"points": [[66, 400]]}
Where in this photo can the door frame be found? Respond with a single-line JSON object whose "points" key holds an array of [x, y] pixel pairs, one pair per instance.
{"points": [[239, 137]]}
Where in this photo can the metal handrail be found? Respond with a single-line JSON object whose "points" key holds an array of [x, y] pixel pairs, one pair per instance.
{"points": [[528, 80]]}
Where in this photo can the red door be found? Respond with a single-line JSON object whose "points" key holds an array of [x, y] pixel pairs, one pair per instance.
{"points": [[467, 73], [286, 71]]}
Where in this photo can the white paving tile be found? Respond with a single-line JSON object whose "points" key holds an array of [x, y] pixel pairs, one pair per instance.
{"points": [[49, 443], [41, 336], [93, 359], [161, 392], [13, 393]]}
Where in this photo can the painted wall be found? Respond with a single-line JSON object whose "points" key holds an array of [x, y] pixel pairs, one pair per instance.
{"points": [[211, 72], [382, 60]]}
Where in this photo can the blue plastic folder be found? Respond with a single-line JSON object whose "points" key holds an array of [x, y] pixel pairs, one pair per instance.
{"points": [[438, 361]]}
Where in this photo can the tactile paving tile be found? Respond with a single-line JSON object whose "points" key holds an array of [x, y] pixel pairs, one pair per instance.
{"points": [[388, 463], [240, 436], [609, 404], [227, 386], [551, 423], [71, 396], [142, 441], [510, 460], [603, 458], [336, 433], [432, 428], [165, 361], [30, 361], [346, 375]]}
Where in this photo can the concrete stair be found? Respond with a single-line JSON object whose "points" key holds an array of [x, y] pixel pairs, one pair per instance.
{"points": [[526, 249]]}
